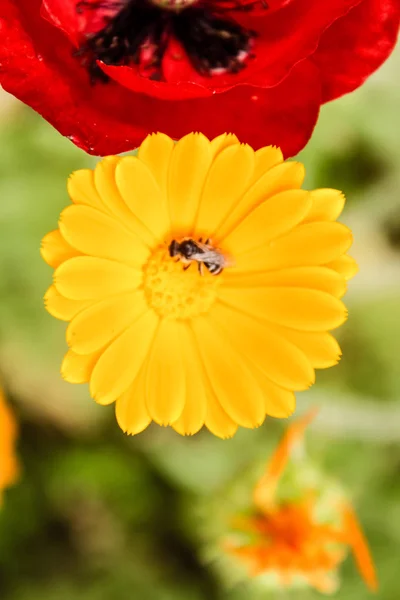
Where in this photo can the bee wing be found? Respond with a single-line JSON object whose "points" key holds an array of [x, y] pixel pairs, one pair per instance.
{"points": [[228, 261], [212, 255], [209, 256]]}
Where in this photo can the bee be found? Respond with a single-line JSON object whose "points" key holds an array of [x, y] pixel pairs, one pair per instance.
{"points": [[189, 251]]}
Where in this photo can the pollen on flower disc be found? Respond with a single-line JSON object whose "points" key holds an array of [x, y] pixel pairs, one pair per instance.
{"points": [[176, 293]]}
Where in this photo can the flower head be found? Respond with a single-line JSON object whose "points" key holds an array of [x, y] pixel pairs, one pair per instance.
{"points": [[9, 468], [200, 283], [107, 72], [300, 526]]}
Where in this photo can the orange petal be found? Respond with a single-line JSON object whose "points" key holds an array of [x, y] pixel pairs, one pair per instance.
{"points": [[264, 491], [359, 546], [9, 470]]}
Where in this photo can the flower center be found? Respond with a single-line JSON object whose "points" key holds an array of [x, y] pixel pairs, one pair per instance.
{"points": [[175, 5], [139, 32], [176, 293]]}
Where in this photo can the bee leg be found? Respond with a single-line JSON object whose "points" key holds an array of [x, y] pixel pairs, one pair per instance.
{"points": [[208, 241], [177, 259], [185, 268], [200, 267], [200, 239]]}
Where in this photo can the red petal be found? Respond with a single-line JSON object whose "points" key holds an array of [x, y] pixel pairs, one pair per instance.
{"points": [[284, 38], [255, 4], [75, 20], [183, 82], [284, 116], [356, 45], [108, 119]]}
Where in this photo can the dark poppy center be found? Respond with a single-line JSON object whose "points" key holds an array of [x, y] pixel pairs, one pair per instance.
{"points": [[139, 33]]}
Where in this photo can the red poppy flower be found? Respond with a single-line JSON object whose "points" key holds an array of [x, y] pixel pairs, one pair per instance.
{"points": [[107, 72]]}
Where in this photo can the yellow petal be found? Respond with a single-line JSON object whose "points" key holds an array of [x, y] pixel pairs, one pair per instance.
{"points": [[143, 196], [272, 218], [286, 176], [217, 421], [307, 245], [166, 376], [82, 190], [230, 379], [100, 235], [281, 361], [227, 180], [316, 278], [120, 363], [55, 250], [77, 368], [223, 141], [130, 409], [100, 323], [60, 307], [278, 402], [298, 308], [266, 159], [195, 408], [321, 348], [327, 205], [190, 162], [104, 178], [345, 265], [155, 152], [86, 277]]}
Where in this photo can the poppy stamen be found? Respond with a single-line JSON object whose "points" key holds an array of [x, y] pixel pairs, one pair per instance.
{"points": [[138, 34]]}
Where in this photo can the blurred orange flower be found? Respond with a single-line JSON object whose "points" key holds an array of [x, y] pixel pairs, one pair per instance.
{"points": [[300, 540], [9, 468]]}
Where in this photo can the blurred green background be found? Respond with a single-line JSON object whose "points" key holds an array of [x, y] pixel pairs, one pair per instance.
{"points": [[100, 516]]}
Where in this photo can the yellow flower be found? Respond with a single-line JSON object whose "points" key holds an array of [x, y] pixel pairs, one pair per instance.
{"points": [[9, 468], [299, 536], [187, 348]]}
